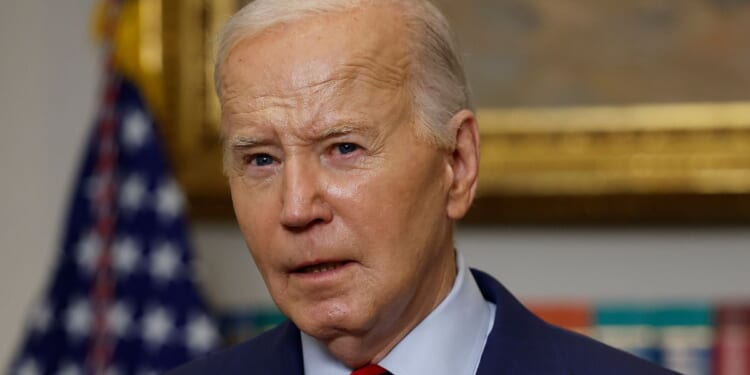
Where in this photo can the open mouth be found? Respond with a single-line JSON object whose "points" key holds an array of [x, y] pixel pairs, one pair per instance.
{"points": [[320, 267]]}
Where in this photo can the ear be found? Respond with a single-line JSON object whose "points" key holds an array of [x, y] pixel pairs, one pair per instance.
{"points": [[464, 162]]}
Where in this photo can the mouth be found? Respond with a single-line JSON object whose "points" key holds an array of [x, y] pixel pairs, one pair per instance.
{"points": [[319, 267]]}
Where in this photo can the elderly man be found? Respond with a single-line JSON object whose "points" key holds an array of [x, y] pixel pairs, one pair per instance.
{"points": [[351, 150]]}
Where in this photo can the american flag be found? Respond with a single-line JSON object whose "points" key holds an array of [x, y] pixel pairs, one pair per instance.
{"points": [[121, 299]]}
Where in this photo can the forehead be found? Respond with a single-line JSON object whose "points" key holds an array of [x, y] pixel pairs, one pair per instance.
{"points": [[318, 55]]}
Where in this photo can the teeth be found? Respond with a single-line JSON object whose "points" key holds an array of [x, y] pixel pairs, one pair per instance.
{"points": [[322, 267]]}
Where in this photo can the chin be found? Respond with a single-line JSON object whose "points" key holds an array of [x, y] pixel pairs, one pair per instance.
{"points": [[327, 321]]}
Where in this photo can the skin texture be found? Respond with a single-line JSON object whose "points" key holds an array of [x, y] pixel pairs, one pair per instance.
{"points": [[325, 166]]}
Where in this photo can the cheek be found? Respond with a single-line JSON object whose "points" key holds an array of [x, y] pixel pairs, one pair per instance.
{"points": [[254, 215], [411, 193], [350, 191], [255, 212], [413, 209], [391, 209]]}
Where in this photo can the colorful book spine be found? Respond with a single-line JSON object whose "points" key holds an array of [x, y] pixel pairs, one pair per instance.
{"points": [[732, 350], [573, 316], [687, 336], [628, 327]]}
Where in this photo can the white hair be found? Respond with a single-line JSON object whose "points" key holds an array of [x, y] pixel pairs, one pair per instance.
{"points": [[437, 78]]}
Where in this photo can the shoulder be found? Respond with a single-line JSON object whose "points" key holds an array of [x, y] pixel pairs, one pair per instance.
{"points": [[521, 343], [276, 349], [583, 355]]}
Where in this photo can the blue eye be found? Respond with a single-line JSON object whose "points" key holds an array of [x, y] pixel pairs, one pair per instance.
{"points": [[261, 160], [346, 148]]}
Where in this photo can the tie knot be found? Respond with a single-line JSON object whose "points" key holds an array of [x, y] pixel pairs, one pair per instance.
{"points": [[371, 370]]}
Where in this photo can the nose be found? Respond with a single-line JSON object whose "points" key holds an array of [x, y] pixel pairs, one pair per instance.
{"points": [[302, 200]]}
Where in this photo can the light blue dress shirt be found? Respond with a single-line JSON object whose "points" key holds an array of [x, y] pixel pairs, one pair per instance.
{"points": [[449, 341]]}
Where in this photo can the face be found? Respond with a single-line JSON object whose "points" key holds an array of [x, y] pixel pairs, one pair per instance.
{"points": [[342, 205]]}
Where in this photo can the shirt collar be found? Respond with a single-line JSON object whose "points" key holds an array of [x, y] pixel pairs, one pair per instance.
{"points": [[450, 340]]}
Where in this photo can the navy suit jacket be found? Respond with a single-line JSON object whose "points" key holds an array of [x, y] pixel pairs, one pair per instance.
{"points": [[520, 343]]}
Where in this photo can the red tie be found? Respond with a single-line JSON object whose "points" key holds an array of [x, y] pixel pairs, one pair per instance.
{"points": [[371, 370]]}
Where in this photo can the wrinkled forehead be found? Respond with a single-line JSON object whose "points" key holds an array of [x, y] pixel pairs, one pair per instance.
{"points": [[368, 44]]}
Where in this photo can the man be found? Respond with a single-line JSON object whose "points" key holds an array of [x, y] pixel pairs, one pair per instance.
{"points": [[351, 150]]}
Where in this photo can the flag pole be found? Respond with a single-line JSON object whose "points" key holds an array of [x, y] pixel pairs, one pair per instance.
{"points": [[100, 352]]}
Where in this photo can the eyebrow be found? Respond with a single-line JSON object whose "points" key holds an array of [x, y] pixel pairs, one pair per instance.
{"points": [[240, 142], [347, 127]]}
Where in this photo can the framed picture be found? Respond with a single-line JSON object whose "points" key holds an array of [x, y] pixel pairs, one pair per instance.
{"points": [[590, 111]]}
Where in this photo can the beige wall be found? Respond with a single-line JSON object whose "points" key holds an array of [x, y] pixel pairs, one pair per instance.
{"points": [[48, 77], [48, 73]]}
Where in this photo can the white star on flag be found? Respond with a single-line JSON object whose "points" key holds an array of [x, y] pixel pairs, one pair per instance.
{"points": [[88, 251], [70, 369], [29, 367], [169, 200], [201, 335], [135, 130], [112, 370], [165, 262], [125, 256], [119, 319], [78, 319], [157, 327], [132, 193]]}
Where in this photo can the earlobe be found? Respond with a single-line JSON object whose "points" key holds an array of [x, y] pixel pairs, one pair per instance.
{"points": [[464, 163]]}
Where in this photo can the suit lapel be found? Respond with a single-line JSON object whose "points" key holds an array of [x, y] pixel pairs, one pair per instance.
{"points": [[513, 344]]}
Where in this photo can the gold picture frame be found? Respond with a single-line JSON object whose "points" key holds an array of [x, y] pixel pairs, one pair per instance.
{"points": [[637, 163]]}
